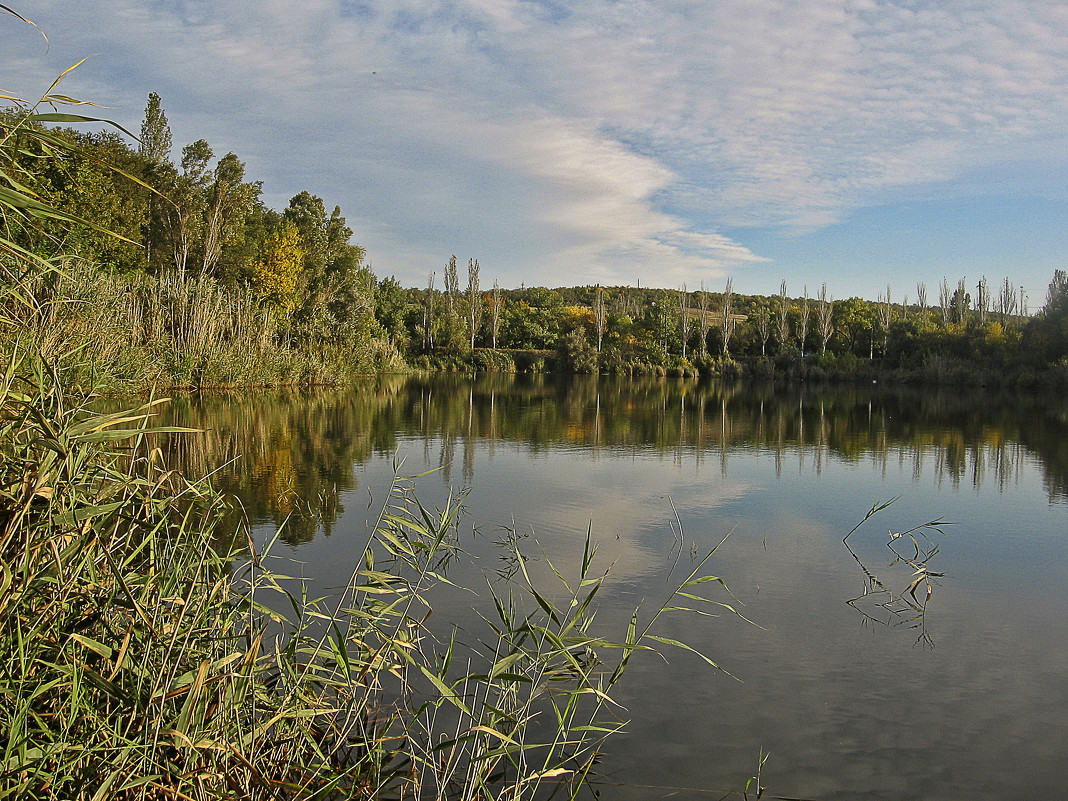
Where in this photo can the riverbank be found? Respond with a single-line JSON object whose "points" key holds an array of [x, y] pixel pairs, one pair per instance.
{"points": [[138, 333]]}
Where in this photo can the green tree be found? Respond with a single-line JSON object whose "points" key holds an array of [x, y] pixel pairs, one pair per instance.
{"points": [[229, 200], [474, 299], [854, 323], [496, 304], [726, 318], [155, 144], [1046, 335]]}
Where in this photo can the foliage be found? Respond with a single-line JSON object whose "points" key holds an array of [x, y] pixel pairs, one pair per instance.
{"points": [[276, 272]]}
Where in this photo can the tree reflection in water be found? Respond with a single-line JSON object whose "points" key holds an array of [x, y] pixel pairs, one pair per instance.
{"points": [[292, 454]]}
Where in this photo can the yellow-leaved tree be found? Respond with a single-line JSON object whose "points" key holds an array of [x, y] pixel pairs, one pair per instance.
{"points": [[277, 270]]}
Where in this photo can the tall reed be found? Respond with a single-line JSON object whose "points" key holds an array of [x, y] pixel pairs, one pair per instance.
{"points": [[148, 653]]}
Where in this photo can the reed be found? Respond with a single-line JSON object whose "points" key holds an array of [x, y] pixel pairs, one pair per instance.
{"points": [[148, 653]]}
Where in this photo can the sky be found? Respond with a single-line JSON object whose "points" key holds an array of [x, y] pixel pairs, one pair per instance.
{"points": [[858, 143]]}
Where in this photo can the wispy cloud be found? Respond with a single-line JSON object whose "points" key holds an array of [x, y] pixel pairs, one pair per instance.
{"points": [[587, 141]]}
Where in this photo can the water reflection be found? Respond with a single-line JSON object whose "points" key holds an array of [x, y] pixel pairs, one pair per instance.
{"points": [[835, 685], [292, 454]]}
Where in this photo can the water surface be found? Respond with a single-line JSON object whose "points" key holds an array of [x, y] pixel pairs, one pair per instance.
{"points": [[855, 688]]}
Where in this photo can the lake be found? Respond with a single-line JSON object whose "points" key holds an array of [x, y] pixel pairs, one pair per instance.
{"points": [[852, 680]]}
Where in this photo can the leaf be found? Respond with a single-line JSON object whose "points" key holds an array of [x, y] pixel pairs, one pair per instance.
{"points": [[93, 645]]}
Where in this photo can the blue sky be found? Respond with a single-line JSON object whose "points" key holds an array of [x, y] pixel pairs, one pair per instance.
{"points": [[856, 143]]}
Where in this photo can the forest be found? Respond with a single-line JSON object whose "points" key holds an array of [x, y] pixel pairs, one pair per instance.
{"points": [[204, 285]]}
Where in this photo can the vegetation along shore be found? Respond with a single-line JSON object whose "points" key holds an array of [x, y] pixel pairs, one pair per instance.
{"points": [[207, 287]]}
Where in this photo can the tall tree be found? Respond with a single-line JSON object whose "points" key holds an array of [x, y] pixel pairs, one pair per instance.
{"points": [[229, 201], [726, 319], [945, 302], [599, 314], [702, 302], [885, 311], [1006, 303], [761, 319], [277, 270], [982, 302], [452, 284], [960, 301], [428, 314], [155, 148], [782, 319], [183, 221], [496, 303], [802, 323], [824, 315], [474, 300], [684, 317], [155, 133]]}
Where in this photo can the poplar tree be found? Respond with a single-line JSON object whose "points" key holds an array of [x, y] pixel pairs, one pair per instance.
{"points": [[702, 301], [684, 318], [229, 200], [726, 319], [155, 133], [802, 333], [782, 321], [496, 303], [599, 314], [474, 300], [824, 312]]}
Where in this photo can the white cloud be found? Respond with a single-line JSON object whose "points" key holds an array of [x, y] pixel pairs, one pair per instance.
{"points": [[589, 141]]}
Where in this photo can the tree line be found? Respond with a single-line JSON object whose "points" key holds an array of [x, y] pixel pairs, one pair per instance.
{"points": [[199, 218]]}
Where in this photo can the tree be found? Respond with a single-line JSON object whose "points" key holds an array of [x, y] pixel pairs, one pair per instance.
{"points": [[307, 213], [183, 222], [599, 314], [155, 133], [474, 300], [824, 315], [726, 319], [684, 317], [428, 313], [1056, 296], [761, 320], [802, 323], [452, 285], [277, 271], [782, 320], [702, 302], [229, 201], [854, 321], [959, 302], [885, 311], [1006, 302], [336, 292], [496, 303], [392, 310], [944, 302], [1047, 332], [982, 302]]}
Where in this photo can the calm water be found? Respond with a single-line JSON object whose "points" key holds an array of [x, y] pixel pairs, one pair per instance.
{"points": [[851, 692]]}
